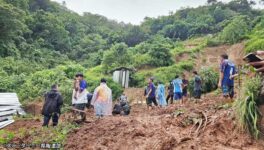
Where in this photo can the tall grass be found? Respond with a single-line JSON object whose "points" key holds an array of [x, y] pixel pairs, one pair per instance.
{"points": [[246, 108]]}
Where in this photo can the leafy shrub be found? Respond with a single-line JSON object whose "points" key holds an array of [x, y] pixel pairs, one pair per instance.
{"points": [[71, 69], [235, 31], [209, 80], [164, 74], [254, 45], [256, 38], [40, 82], [211, 42], [117, 56], [6, 136], [141, 60]]}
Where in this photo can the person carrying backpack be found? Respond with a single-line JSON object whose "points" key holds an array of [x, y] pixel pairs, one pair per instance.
{"points": [[52, 106], [227, 74]]}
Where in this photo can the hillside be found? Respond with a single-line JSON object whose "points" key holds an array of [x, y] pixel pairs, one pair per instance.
{"points": [[43, 40], [42, 43]]}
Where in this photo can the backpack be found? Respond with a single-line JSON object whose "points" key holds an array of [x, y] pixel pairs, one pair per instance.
{"points": [[126, 109], [117, 109], [51, 103]]}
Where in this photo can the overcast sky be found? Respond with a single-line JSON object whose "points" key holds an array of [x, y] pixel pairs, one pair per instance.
{"points": [[130, 11]]}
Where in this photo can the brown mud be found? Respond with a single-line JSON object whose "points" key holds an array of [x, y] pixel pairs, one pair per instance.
{"points": [[207, 124]]}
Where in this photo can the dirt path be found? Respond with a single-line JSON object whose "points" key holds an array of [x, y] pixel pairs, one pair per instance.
{"points": [[170, 128]]}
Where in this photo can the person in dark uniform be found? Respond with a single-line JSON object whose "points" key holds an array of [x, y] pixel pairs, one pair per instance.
{"points": [[52, 106], [170, 93]]}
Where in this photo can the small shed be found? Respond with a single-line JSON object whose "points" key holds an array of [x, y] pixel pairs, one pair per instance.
{"points": [[9, 106], [121, 76]]}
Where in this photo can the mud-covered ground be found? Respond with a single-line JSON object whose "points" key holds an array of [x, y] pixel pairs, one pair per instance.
{"points": [[208, 124]]}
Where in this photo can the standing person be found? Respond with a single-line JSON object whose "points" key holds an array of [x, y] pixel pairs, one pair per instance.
{"points": [[79, 99], [170, 93], [227, 73], [145, 93], [185, 87], [102, 100], [197, 85], [177, 83], [76, 87], [161, 95], [52, 106], [151, 94]]}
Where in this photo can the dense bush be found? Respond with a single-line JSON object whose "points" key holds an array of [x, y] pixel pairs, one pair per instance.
{"points": [[209, 80], [164, 74], [254, 45], [211, 42], [40, 82], [256, 41], [235, 30], [117, 56], [141, 60]]}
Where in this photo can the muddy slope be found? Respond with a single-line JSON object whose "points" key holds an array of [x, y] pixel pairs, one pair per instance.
{"points": [[204, 125]]}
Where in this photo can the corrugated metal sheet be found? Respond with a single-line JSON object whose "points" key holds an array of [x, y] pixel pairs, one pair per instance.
{"points": [[9, 99], [5, 123], [8, 113], [121, 77], [5, 108], [9, 106]]}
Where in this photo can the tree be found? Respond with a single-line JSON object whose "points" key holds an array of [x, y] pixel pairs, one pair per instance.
{"points": [[235, 31], [11, 21], [48, 27], [160, 55], [117, 56], [179, 30], [134, 36]]}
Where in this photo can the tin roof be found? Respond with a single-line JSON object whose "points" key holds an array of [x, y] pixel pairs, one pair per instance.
{"points": [[9, 106], [123, 68]]}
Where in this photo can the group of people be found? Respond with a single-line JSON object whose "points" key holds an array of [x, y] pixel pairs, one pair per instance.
{"points": [[178, 87], [177, 90], [101, 99]]}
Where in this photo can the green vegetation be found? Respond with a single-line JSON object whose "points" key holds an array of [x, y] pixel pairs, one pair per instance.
{"points": [[39, 135], [42, 43], [247, 112], [256, 36], [209, 80], [235, 31], [164, 74], [6, 136]]}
